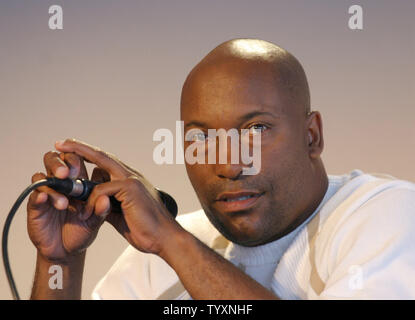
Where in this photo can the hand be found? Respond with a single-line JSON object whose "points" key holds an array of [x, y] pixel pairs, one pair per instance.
{"points": [[145, 223], [57, 225]]}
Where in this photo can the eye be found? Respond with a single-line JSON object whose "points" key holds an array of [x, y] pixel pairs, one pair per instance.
{"points": [[200, 136], [257, 128], [195, 135]]}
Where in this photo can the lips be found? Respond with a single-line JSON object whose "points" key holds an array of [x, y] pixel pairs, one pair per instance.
{"points": [[237, 201]]}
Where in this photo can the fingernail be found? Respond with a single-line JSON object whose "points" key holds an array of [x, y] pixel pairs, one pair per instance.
{"points": [[42, 197], [73, 173], [61, 203], [61, 172], [59, 143], [108, 209]]}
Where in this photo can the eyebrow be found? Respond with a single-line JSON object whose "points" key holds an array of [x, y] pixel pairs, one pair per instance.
{"points": [[254, 114], [243, 118], [195, 124]]}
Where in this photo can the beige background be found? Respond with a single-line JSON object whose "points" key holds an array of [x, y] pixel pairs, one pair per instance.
{"points": [[114, 74]]}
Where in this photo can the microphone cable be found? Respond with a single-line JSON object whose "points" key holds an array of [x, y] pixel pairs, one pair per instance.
{"points": [[79, 189]]}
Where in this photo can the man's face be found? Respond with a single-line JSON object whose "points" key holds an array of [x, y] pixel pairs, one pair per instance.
{"points": [[248, 209]]}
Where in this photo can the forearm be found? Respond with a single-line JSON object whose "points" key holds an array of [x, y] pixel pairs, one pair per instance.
{"points": [[47, 288], [207, 275]]}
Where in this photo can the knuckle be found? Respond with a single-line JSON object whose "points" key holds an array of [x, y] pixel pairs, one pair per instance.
{"points": [[70, 140], [97, 190], [72, 158], [49, 155], [133, 181], [37, 176], [32, 197], [30, 204]]}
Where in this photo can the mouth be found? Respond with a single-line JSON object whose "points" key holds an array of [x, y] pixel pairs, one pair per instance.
{"points": [[237, 201]]}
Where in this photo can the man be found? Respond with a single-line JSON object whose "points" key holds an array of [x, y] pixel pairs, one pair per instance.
{"points": [[288, 232]]}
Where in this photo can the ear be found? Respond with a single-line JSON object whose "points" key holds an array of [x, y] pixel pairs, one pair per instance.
{"points": [[315, 141]]}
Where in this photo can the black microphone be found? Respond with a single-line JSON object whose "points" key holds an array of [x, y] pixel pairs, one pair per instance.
{"points": [[80, 189]]}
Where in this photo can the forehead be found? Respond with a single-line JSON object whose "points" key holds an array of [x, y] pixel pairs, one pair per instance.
{"points": [[219, 94]]}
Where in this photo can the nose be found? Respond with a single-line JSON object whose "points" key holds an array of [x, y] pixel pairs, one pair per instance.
{"points": [[226, 150], [228, 171]]}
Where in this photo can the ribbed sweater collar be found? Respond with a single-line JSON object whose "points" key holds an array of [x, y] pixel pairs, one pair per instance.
{"points": [[272, 252]]}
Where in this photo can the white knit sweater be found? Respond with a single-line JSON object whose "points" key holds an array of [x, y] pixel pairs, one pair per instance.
{"points": [[358, 244]]}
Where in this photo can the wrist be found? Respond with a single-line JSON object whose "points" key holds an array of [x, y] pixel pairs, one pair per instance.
{"points": [[58, 278], [177, 244], [69, 259]]}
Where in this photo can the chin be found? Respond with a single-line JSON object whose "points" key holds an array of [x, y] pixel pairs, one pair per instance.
{"points": [[240, 230], [247, 239]]}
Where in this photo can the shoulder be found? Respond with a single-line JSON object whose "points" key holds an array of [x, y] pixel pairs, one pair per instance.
{"points": [[371, 230], [376, 205]]}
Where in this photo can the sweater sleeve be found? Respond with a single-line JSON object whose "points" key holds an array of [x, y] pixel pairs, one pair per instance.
{"points": [[138, 275], [372, 254]]}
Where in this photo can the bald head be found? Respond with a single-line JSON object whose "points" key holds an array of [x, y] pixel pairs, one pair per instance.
{"points": [[253, 57]]}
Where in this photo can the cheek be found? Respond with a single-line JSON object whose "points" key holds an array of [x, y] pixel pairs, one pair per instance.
{"points": [[198, 174], [283, 164], [282, 150], [274, 156]]}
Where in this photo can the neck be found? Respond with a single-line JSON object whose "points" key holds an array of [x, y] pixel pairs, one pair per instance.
{"points": [[319, 184]]}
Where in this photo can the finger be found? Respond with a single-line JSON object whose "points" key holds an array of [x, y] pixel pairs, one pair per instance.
{"points": [[54, 165], [102, 159], [101, 210], [111, 188], [98, 175], [104, 189], [102, 205], [38, 176], [76, 165], [37, 203], [131, 169], [59, 201], [118, 222]]}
